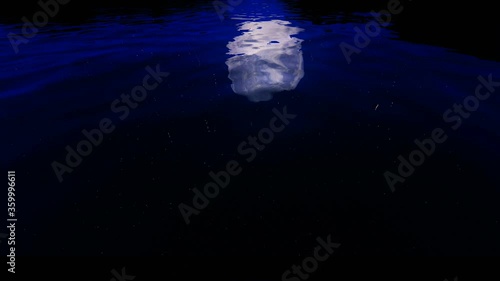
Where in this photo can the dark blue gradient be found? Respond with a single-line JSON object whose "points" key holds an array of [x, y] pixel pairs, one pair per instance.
{"points": [[322, 175]]}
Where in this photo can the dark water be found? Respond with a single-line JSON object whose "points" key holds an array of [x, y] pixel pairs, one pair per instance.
{"points": [[323, 174]]}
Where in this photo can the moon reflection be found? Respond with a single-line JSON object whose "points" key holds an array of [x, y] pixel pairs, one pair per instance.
{"points": [[266, 59]]}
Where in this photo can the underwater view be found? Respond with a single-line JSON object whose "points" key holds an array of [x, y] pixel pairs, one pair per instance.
{"points": [[280, 138]]}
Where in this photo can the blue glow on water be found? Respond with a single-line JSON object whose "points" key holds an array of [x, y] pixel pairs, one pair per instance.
{"points": [[226, 76]]}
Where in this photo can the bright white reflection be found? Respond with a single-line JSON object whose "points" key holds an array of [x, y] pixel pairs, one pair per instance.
{"points": [[266, 59]]}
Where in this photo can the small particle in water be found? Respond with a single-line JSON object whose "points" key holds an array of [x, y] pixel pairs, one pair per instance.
{"points": [[376, 106], [208, 128]]}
